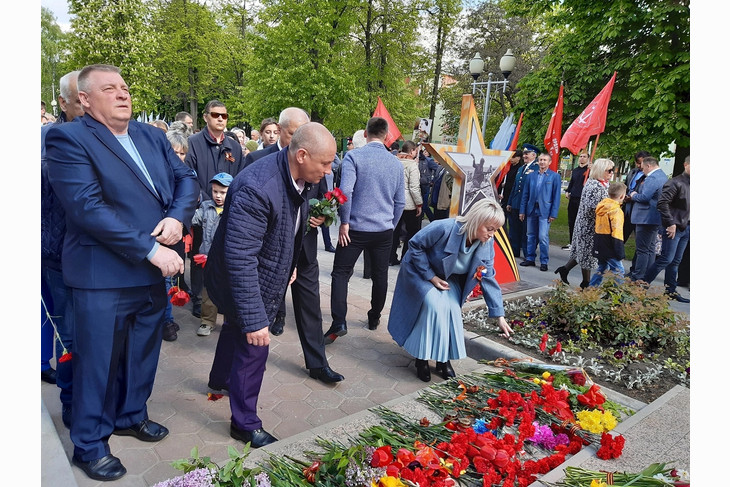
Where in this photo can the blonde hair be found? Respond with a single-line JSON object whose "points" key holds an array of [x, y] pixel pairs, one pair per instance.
{"points": [[480, 213], [599, 167]]}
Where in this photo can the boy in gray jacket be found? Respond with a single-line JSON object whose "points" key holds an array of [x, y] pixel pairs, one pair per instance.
{"points": [[207, 216]]}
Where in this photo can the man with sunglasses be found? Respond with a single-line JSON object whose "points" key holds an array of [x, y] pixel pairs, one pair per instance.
{"points": [[210, 152]]}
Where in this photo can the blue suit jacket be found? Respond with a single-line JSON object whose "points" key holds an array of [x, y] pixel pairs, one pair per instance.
{"points": [[645, 211], [433, 251], [547, 196], [111, 209]]}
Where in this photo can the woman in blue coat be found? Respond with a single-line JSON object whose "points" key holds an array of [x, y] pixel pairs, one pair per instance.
{"points": [[445, 260]]}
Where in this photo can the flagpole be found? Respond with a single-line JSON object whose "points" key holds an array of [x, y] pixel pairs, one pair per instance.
{"points": [[595, 144]]}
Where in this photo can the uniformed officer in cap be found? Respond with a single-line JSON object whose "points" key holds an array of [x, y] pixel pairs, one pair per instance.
{"points": [[517, 228]]}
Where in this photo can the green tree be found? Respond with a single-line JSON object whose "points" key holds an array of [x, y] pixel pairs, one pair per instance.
{"points": [[645, 41], [485, 28], [189, 56], [118, 32], [52, 55], [300, 58]]}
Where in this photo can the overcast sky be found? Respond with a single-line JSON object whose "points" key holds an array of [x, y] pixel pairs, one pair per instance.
{"points": [[60, 9]]}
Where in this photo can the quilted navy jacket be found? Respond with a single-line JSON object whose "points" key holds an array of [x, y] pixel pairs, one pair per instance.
{"points": [[254, 248]]}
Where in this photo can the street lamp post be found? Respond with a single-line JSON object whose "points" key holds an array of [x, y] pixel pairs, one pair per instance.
{"points": [[476, 68]]}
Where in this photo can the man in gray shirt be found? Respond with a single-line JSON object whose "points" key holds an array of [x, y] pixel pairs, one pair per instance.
{"points": [[372, 181]]}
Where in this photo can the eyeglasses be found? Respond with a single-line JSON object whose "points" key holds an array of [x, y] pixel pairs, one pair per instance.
{"points": [[216, 115]]}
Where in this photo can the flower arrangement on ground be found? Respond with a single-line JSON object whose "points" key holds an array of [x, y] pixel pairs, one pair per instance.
{"points": [[504, 428]]}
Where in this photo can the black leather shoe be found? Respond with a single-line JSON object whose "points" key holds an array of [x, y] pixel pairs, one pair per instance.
{"points": [[422, 370], [217, 387], [169, 331], [373, 323], [145, 430], [326, 375], [528, 263], [563, 274], [277, 327], [334, 332], [584, 284], [66, 415], [445, 369], [330, 249], [49, 375], [257, 438], [677, 297], [543, 267], [105, 468]]}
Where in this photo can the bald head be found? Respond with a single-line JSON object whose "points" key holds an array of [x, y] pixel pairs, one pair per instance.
{"points": [[311, 152], [290, 119]]}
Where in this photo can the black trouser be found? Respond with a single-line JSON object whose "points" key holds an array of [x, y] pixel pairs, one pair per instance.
{"points": [[412, 224], [378, 244], [573, 205]]}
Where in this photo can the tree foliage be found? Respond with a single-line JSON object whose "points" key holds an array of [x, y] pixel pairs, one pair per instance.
{"points": [[51, 55], [117, 32], [645, 41], [484, 27]]}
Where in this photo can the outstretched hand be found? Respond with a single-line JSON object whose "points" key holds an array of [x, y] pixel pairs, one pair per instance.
{"points": [[506, 329]]}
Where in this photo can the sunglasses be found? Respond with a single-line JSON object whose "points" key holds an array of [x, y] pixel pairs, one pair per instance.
{"points": [[216, 115], [610, 170]]}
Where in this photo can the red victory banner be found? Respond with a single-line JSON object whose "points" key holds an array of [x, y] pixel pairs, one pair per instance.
{"points": [[591, 122], [393, 132], [552, 137]]}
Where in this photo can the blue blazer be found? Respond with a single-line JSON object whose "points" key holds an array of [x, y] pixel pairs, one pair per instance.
{"points": [[645, 211], [433, 251], [547, 197], [111, 209]]}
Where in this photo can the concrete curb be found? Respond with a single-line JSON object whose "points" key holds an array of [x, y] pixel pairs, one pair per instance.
{"points": [[56, 467]]}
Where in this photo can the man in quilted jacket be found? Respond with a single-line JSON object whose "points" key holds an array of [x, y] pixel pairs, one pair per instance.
{"points": [[252, 259]]}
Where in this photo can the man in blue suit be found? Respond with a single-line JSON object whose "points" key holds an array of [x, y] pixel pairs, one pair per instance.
{"points": [[646, 217], [539, 207], [126, 195]]}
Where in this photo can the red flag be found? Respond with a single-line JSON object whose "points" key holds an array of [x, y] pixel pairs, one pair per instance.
{"points": [[513, 146], [552, 136], [591, 122], [393, 132]]}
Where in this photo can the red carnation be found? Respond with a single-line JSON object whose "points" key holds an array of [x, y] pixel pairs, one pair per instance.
{"points": [[610, 447], [200, 259], [592, 398], [577, 377], [180, 298], [382, 457], [543, 342], [65, 357]]}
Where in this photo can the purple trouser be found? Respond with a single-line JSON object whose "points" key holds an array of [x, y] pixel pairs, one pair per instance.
{"points": [[246, 365]]}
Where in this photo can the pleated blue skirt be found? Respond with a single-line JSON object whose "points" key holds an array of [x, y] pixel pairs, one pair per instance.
{"points": [[439, 331]]}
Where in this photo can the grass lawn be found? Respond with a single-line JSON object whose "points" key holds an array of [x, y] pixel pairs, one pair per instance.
{"points": [[559, 230]]}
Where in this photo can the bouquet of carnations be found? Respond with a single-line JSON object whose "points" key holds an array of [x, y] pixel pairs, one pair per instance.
{"points": [[327, 206]]}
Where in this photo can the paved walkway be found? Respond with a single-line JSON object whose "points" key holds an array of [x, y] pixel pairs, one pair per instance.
{"points": [[292, 405]]}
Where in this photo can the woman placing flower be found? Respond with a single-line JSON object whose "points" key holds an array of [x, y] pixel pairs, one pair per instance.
{"points": [[445, 260]]}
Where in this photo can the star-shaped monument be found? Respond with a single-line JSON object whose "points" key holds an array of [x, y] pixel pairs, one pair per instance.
{"points": [[470, 163]]}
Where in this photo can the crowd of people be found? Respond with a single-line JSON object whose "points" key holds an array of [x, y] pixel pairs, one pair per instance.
{"points": [[129, 207]]}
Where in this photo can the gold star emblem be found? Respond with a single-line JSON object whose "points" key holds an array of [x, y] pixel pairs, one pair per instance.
{"points": [[473, 166]]}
